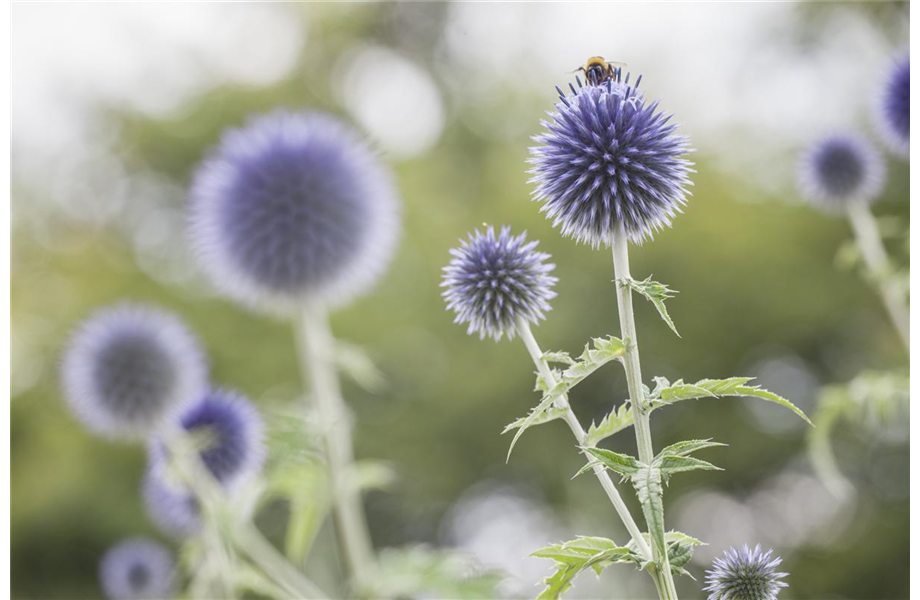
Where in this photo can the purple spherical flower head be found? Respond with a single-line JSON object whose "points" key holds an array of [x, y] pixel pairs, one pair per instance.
{"points": [[129, 368], [609, 160], [493, 280], [745, 575], [841, 170], [293, 207], [232, 431], [171, 507], [894, 109], [137, 569]]}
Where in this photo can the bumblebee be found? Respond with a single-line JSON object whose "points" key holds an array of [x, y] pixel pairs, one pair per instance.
{"points": [[597, 70]]}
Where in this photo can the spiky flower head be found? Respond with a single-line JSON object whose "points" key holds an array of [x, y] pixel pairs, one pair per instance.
{"points": [[493, 280], [745, 575], [894, 109], [171, 507], [840, 171], [229, 432], [291, 207], [137, 569], [129, 368], [609, 160]]}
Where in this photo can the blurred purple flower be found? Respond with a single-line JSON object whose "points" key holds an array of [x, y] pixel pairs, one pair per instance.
{"points": [[745, 575], [292, 207], [493, 280], [841, 170], [171, 507], [894, 116], [608, 159], [137, 569], [128, 368]]}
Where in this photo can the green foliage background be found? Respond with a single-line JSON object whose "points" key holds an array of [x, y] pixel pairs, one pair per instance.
{"points": [[755, 273]]}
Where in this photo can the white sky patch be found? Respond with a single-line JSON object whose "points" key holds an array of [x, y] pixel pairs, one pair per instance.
{"points": [[394, 100]]}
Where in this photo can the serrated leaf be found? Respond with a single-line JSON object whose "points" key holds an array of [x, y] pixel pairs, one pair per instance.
{"points": [[679, 555], [618, 420], [551, 414], [558, 357], [647, 482], [604, 351], [624, 464], [656, 293], [679, 464], [707, 388], [688, 447], [678, 537], [573, 558]]}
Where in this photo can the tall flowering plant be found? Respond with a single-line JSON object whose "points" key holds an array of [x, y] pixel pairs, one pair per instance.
{"points": [[610, 168]]}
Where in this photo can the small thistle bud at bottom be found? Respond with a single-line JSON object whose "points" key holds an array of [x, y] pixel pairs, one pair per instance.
{"points": [[745, 575]]}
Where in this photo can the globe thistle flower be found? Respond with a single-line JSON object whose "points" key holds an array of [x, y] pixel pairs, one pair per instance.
{"points": [[128, 368], [137, 569], [894, 108], [230, 429], [606, 160], [171, 507], [292, 207], [841, 170], [745, 575], [492, 280]]}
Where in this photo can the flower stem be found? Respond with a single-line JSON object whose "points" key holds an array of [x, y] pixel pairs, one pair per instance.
{"points": [[243, 535], [523, 329], [316, 347], [634, 381], [873, 252]]}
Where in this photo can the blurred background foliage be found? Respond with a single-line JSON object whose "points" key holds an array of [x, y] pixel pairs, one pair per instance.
{"points": [[115, 105]]}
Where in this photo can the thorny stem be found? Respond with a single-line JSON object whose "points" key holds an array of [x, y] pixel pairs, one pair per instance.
{"points": [[245, 536], [634, 382], [523, 329], [316, 346], [873, 252]]}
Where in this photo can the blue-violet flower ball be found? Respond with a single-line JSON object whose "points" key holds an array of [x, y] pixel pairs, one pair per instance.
{"points": [[609, 161], [129, 368], [493, 280], [137, 569], [231, 430], [894, 116], [171, 507], [840, 171], [293, 207], [745, 575]]}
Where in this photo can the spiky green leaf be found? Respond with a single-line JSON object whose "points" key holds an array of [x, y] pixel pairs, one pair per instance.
{"points": [[656, 293], [647, 481], [618, 420], [624, 464], [688, 447], [574, 557]]}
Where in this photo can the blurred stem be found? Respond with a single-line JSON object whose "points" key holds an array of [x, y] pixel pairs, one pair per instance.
{"points": [[634, 381], [523, 329], [223, 533], [316, 347], [873, 252]]}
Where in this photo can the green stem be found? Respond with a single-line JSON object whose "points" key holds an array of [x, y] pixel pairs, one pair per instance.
{"points": [[316, 347], [634, 382], [873, 252], [523, 329], [244, 535]]}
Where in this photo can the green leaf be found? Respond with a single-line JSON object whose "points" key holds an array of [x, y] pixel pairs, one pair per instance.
{"points": [[688, 447], [618, 420], [551, 414], [355, 363], [420, 571], [576, 556], [647, 482], [654, 292], [709, 388], [604, 351], [679, 464], [558, 357], [624, 464]]}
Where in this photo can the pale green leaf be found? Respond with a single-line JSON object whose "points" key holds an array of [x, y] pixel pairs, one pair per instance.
{"points": [[576, 556], [688, 447], [558, 357], [551, 414], [624, 464], [656, 293], [618, 420], [679, 464], [355, 363], [529, 421], [708, 388], [647, 481]]}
